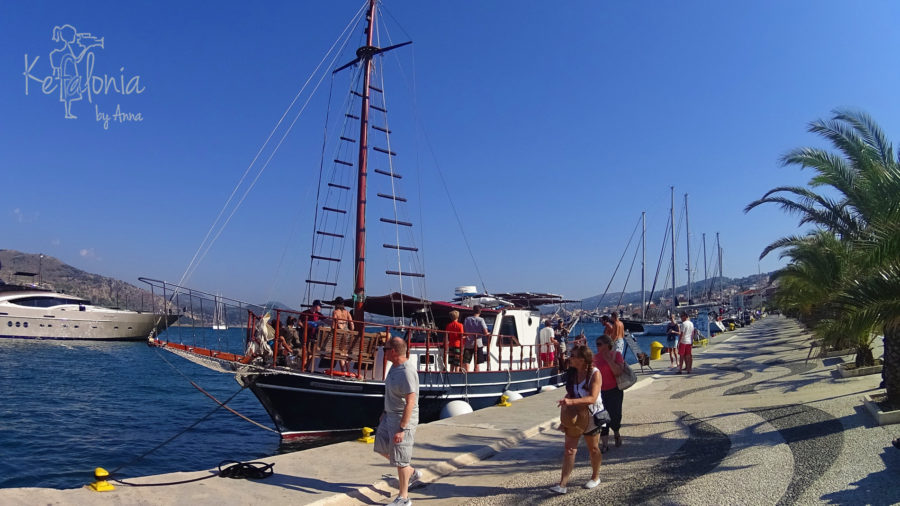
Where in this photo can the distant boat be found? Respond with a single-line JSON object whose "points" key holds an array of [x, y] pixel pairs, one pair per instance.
{"points": [[219, 316], [35, 313]]}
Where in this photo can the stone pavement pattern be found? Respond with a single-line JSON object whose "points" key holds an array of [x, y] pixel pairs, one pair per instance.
{"points": [[755, 423]]}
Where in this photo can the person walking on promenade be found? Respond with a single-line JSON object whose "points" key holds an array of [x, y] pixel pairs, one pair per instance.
{"points": [[685, 342], [475, 327], [672, 340], [583, 393], [454, 341], [548, 344], [610, 363], [397, 428]]}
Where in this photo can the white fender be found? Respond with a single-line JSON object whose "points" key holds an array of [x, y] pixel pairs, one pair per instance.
{"points": [[455, 408]]}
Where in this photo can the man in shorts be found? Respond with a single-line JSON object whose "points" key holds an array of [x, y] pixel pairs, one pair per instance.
{"points": [[685, 341], [475, 329], [397, 428]]}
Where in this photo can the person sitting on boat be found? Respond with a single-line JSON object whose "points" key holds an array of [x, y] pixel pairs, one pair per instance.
{"points": [[284, 349], [547, 342], [454, 341], [475, 328]]}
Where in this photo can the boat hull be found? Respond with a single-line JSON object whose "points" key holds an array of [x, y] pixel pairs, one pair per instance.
{"points": [[302, 405], [83, 326]]}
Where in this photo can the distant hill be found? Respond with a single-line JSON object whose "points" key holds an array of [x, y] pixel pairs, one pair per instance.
{"points": [[697, 288]]}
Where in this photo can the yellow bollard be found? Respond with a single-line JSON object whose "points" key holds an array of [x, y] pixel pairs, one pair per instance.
{"points": [[504, 401], [367, 436], [731, 326], [101, 485], [655, 350]]}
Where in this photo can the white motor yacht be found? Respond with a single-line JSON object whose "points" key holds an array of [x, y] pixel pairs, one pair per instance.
{"points": [[34, 313]]}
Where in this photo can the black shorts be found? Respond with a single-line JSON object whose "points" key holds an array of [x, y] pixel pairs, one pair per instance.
{"points": [[468, 353]]}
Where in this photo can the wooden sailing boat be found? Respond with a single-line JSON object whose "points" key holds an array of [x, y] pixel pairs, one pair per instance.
{"points": [[323, 376]]}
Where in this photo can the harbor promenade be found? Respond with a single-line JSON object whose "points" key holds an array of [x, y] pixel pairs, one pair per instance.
{"points": [[755, 423]]}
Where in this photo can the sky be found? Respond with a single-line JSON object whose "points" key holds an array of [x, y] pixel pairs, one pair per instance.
{"points": [[532, 135]]}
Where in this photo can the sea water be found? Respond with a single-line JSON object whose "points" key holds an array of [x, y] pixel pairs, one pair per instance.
{"points": [[68, 407]]}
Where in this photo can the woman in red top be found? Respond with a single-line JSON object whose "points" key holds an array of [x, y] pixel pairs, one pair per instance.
{"points": [[610, 364], [454, 340]]}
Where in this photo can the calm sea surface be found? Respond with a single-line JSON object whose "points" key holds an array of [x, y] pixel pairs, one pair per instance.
{"points": [[66, 408]]}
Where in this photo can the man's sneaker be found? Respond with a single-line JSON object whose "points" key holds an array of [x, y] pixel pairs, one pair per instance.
{"points": [[416, 479], [401, 501], [592, 483], [556, 489]]}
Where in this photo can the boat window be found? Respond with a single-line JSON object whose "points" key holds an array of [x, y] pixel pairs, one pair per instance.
{"points": [[44, 301], [489, 319], [508, 328]]}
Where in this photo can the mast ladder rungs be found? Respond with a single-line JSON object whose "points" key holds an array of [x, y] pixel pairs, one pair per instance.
{"points": [[397, 246], [382, 150], [351, 116], [330, 259], [328, 283], [386, 173], [349, 164], [348, 139], [335, 185], [333, 210], [395, 222], [391, 197], [410, 274], [329, 234], [358, 94], [381, 129], [380, 109], [379, 90]]}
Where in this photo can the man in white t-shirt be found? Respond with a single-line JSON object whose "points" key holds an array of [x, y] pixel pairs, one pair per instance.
{"points": [[548, 342], [685, 341]]}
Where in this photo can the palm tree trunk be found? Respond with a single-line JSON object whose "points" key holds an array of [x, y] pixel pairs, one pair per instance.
{"points": [[891, 369]]}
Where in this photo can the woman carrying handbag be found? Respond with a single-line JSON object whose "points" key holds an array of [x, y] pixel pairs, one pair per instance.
{"points": [[611, 364], [583, 398]]}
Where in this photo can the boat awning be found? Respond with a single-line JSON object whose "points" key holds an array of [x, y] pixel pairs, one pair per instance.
{"points": [[532, 300], [397, 304]]}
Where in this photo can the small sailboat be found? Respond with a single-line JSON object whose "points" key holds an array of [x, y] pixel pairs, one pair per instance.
{"points": [[219, 315]]}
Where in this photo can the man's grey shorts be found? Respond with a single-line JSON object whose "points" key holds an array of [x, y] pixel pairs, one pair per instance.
{"points": [[399, 454]]}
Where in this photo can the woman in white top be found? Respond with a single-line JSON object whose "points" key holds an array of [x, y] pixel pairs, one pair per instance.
{"points": [[582, 389]]}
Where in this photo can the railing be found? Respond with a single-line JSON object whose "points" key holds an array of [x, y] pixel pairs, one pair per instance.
{"points": [[323, 340]]}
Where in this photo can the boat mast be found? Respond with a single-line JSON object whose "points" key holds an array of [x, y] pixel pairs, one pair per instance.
{"points": [[719, 252], [687, 235], [365, 55], [705, 275], [672, 211], [643, 263]]}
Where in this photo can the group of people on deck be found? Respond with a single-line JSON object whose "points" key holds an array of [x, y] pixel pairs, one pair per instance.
{"points": [[290, 333]]}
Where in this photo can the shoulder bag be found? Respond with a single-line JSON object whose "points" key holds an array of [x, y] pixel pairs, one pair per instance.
{"points": [[627, 378]]}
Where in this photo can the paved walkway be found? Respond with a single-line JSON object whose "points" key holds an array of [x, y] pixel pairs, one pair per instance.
{"points": [[755, 423]]}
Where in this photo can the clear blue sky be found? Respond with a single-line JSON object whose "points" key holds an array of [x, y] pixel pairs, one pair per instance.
{"points": [[555, 125]]}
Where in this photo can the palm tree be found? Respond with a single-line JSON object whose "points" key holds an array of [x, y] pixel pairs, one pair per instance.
{"points": [[864, 176]]}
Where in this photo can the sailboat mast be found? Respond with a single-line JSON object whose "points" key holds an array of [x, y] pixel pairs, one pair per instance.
{"points": [[705, 275], [687, 235], [365, 54], [643, 263], [719, 254], [672, 211]]}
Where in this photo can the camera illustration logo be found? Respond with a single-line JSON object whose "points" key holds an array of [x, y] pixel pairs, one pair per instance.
{"points": [[72, 77]]}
